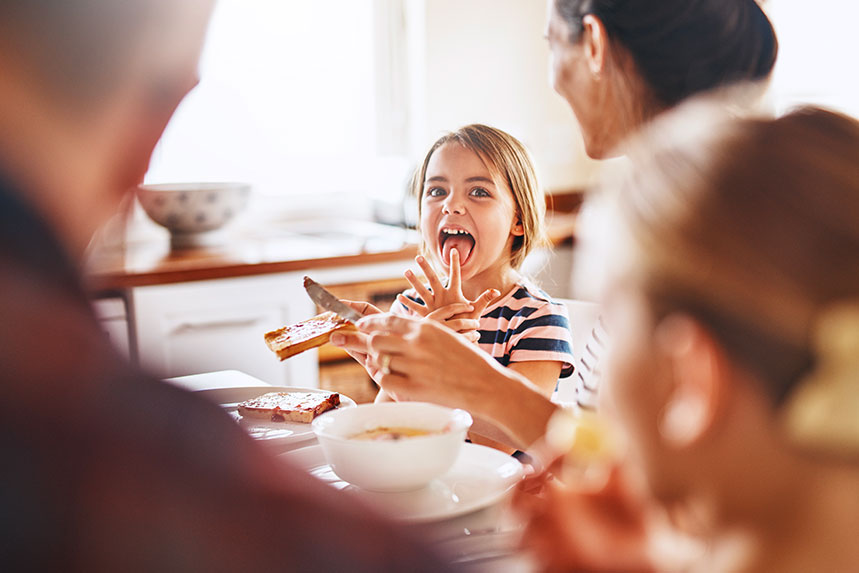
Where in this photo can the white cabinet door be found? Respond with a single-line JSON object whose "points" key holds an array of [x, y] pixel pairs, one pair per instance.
{"points": [[204, 326], [112, 318]]}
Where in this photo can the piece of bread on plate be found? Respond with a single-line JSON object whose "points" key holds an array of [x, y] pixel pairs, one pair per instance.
{"points": [[290, 340], [288, 406]]}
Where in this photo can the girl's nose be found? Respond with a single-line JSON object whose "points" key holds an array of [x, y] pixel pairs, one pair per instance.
{"points": [[452, 204]]}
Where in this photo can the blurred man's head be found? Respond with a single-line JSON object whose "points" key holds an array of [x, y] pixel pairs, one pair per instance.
{"points": [[87, 89]]}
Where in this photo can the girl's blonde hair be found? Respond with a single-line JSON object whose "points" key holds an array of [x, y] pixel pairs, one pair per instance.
{"points": [[509, 163], [749, 225]]}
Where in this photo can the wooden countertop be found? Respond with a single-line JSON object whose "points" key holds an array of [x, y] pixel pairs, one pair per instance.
{"points": [[154, 263], [246, 253]]}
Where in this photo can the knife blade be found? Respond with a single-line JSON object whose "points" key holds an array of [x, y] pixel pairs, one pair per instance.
{"points": [[328, 301]]}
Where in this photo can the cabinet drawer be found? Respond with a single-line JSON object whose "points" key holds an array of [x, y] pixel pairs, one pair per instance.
{"points": [[205, 326]]}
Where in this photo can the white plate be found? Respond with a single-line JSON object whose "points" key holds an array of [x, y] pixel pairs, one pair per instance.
{"points": [[479, 477], [273, 433]]}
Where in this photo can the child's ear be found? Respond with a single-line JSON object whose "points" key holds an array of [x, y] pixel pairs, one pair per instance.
{"points": [[699, 380], [517, 229]]}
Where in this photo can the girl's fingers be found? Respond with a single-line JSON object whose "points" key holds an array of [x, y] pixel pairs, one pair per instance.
{"points": [[421, 290], [471, 335], [430, 274], [454, 284], [449, 311], [484, 299], [413, 306]]}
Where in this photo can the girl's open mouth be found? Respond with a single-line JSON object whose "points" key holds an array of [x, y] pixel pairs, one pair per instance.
{"points": [[450, 238]]}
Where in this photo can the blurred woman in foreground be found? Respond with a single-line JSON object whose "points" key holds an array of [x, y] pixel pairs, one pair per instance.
{"points": [[732, 293]]}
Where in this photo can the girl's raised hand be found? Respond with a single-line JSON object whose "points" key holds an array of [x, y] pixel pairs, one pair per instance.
{"points": [[438, 299], [456, 316]]}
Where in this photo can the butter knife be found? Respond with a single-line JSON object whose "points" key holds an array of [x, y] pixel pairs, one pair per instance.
{"points": [[328, 301]]}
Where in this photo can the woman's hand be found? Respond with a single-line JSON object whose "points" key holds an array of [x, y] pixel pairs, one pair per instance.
{"points": [[422, 360], [437, 297], [576, 529], [355, 342]]}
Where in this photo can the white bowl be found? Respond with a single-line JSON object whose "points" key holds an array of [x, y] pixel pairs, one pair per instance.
{"points": [[392, 465], [193, 212]]}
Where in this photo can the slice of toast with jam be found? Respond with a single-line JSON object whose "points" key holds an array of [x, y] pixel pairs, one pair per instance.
{"points": [[288, 406], [290, 340]]}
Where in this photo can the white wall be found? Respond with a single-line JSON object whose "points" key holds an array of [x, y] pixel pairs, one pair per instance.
{"points": [[487, 61]]}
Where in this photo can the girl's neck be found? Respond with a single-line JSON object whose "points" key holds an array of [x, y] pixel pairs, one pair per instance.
{"points": [[501, 279]]}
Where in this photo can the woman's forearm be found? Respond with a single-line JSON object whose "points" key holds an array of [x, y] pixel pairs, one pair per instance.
{"points": [[517, 407]]}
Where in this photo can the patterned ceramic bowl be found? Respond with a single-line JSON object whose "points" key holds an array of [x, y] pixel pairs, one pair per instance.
{"points": [[193, 212]]}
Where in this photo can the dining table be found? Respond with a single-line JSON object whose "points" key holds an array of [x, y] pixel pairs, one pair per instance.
{"points": [[465, 514]]}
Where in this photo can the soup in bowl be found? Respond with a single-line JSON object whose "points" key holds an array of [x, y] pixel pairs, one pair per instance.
{"points": [[392, 446]]}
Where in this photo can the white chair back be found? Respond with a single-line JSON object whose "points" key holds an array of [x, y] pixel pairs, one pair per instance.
{"points": [[583, 317]]}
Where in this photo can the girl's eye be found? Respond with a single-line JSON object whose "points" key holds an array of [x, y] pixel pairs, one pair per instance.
{"points": [[480, 192], [435, 192]]}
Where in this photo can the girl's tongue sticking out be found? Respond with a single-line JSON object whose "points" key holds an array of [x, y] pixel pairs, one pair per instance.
{"points": [[455, 239]]}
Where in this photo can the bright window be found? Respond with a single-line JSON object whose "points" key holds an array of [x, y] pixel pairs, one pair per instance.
{"points": [[817, 55], [287, 101]]}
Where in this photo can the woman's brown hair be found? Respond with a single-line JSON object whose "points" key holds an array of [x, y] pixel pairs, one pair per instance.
{"points": [[684, 47]]}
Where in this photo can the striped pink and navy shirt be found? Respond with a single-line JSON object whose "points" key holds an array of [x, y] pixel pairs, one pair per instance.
{"points": [[524, 325]]}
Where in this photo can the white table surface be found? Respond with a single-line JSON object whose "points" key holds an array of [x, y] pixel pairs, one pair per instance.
{"points": [[217, 380], [475, 536]]}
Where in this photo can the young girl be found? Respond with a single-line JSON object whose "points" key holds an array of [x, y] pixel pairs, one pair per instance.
{"points": [[481, 213]]}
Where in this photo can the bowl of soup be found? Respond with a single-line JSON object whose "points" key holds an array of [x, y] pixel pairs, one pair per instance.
{"points": [[391, 446]]}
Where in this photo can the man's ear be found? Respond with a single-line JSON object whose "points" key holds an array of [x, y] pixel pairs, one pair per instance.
{"points": [[595, 41], [699, 380]]}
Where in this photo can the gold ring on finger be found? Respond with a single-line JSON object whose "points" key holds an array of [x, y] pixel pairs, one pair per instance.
{"points": [[385, 363]]}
